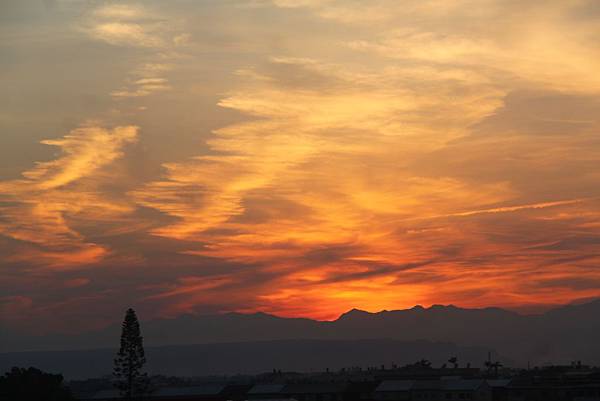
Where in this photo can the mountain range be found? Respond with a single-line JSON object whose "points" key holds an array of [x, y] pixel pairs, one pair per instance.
{"points": [[561, 335]]}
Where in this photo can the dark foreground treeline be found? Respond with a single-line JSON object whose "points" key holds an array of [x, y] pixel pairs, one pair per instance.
{"points": [[415, 381], [253, 357], [31, 384]]}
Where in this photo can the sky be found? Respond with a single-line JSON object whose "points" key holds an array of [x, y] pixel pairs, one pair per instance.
{"points": [[295, 157]]}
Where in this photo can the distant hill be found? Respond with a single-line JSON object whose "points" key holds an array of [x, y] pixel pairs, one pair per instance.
{"points": [[250, 357], [558, 336]]}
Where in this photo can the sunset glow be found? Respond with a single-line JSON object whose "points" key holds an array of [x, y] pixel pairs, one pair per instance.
{"points": [[296, 157]]}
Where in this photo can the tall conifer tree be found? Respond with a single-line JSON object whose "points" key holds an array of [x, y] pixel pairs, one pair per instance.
{"points": [[130, 360]]}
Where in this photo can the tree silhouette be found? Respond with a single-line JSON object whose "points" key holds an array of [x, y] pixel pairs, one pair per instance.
{"points": [[496, 365], [31, 384], [493, 365], [454, 361], [423, 363], [131, 380]]}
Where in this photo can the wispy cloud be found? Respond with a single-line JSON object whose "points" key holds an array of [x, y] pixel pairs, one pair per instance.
{"points": [[304, 157], [40, 208], [130, 34], [126, 25], [331, 161], [143, 87], [532, 36], [121, 12], [265, 196], [507, 209], [137, 26]]}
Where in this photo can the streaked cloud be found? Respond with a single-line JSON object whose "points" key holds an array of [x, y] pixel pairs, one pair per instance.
{"points": [[265, 196], [134, 26], [42, 207], [301, 157], [143, 87], [506, 209], [468, 34]]}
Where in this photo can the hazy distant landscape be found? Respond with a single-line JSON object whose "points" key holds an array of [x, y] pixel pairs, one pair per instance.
{"points": [[252, 357], [259, 342]]}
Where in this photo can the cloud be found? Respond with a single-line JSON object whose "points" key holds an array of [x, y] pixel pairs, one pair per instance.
{"points": [[333, 184], [14, 305], [85, 149], [146, 80], [77, 282], [135, 26], [506, 209], [41, 208], [121, 12], [466, 34], [304, 157], [126, 25], [128, 34], [308, 147]]}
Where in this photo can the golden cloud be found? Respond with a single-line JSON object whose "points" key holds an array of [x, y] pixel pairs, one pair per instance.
{"points": [[39, 208]]}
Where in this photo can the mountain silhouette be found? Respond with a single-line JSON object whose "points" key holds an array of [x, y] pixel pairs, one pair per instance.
{"points": [[558, 336]]}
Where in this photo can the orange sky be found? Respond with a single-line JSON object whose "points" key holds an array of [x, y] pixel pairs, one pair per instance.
{"points": [[297, 157]]}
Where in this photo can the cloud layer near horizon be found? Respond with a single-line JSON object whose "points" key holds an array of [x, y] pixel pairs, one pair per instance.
{"points": [[298, 157]]}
